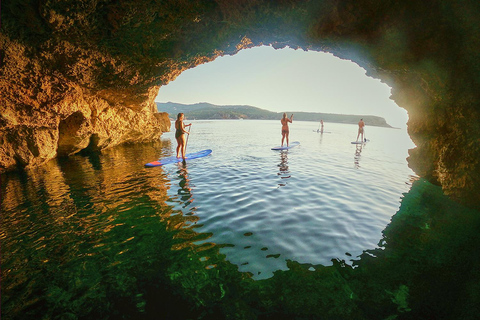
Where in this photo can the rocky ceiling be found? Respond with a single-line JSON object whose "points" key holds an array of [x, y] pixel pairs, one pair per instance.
{"points": [[79, 74]]}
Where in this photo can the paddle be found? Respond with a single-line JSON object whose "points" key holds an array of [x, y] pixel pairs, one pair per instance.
{"points": [[188, 135]]}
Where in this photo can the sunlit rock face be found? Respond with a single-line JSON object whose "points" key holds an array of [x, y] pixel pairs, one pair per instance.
{"points": [[84, 74]]}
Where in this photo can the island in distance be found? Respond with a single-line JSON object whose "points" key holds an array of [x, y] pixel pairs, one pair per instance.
{"points": [[207, 111]]}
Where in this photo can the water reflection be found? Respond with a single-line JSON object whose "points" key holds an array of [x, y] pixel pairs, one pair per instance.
{"points": [[83, 243], [284, 172], [94, 157], [356, 159], [185, 192], [78, 232]]}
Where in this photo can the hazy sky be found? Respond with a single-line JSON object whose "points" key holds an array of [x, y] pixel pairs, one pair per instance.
{"points": [[285, 80]]}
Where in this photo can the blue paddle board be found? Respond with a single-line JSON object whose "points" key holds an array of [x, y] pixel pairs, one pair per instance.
{"points": [[293, 144], [174, 159]]}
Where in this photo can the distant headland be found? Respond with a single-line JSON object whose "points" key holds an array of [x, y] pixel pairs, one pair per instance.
{"points": [[207, 111]]}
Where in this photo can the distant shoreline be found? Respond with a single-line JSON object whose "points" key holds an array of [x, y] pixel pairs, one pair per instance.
{"points": [[354, 124], [207, 111], [188, 119]]}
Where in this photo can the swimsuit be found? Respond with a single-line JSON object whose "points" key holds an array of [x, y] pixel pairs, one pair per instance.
{"points": [[178, 133], [284, 126]]}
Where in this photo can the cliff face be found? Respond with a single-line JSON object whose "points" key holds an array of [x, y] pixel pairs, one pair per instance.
{"points": [[84, 73]]}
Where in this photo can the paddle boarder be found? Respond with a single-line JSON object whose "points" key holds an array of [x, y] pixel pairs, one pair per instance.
{"points": [[321, 123], [361, 124], [285, 130], [180, 134]]}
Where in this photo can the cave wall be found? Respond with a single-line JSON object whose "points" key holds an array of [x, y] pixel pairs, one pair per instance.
{"points": [[85, 73]]}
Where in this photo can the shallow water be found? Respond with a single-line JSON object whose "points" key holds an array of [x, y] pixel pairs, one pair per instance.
{"points": [[97, 230]]}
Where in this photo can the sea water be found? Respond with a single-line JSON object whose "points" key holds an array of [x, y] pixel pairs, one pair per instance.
{"points": [[325, 199], [99, 222]]}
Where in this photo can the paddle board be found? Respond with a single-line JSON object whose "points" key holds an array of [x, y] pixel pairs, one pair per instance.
{"points": [[174, 159], [360, 142], [293, 144]]}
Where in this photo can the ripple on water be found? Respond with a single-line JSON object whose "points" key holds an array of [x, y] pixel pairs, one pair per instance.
{"points": [[312, 204]]}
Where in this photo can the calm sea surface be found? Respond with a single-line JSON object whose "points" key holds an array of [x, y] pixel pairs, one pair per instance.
{"points": [[321, 200], [95, 230]]}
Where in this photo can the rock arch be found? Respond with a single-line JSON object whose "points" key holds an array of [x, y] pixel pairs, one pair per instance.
{"points": [[107, 60]]}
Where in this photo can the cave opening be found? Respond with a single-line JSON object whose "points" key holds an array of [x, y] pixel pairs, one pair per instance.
{"points": [[286, 79], [312, 190]]}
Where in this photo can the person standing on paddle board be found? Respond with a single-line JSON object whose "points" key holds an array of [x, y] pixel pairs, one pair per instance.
{"points": [[361, 124], [321, 122], [180, 134], [285, 130]]}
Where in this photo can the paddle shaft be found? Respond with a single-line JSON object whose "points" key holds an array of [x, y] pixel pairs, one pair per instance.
{"points": [[188, 135]]}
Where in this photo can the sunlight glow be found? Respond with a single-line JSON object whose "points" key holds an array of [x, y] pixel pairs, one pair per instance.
{"points": [[286, 80]]}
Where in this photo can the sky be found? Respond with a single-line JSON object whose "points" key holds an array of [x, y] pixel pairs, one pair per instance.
{"points": [[286, 80]]}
